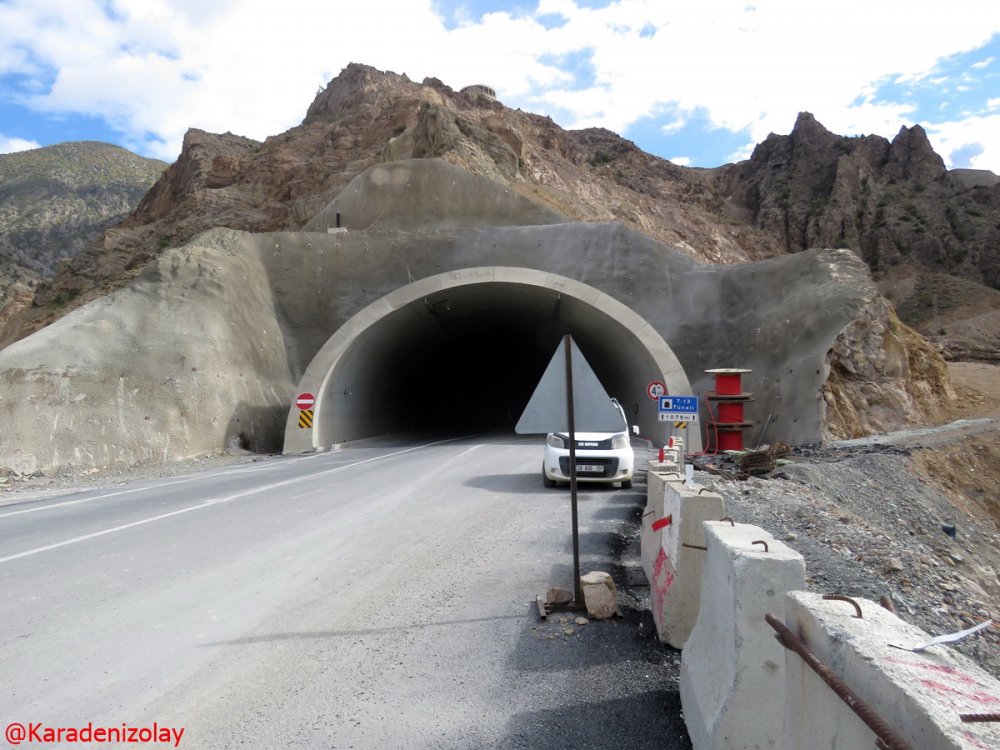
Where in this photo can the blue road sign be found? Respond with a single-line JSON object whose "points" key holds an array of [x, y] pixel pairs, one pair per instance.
{"points": [[679, 404]]}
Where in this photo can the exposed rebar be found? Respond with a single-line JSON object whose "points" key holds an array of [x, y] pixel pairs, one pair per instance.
{"points": [[873, 721], [976, 718], [761, 541], [842, 598]]}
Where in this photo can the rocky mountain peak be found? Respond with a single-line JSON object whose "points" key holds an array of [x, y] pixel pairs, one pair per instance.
{"points": [[913, 156], [806, 125], [357, 85]]}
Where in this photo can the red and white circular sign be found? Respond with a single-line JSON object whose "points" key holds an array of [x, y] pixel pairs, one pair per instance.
{"points": [[656, 389], [305, 401]]}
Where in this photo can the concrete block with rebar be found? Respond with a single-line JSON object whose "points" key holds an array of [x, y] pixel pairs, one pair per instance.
{"points": [[732, 668], [907, 699]]}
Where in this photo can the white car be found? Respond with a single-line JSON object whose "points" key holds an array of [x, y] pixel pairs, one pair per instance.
{"points": [[600, 457]]}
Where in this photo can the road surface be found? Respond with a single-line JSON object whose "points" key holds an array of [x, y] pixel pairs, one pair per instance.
{"points": [[379, 596]]}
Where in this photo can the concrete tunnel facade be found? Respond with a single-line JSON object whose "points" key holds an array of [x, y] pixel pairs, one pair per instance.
{"points": [[438, 309], [475, 342]]}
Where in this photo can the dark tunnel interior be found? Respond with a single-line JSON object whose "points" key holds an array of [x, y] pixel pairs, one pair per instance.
{"points": [[467, 360]]}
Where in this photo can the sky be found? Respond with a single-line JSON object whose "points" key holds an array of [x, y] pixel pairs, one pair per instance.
{"points": [[699, 82]]}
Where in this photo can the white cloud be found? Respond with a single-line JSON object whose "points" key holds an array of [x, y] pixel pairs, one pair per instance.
{"points": [[10, 145], [949, 138], [681, 161], [156, 67]]}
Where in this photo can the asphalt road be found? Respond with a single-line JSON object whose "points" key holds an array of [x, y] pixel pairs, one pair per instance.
{"points": [[376, 597]]}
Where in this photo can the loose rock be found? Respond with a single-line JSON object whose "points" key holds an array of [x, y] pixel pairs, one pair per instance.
{"points": [[600, 595], [558, 595]]}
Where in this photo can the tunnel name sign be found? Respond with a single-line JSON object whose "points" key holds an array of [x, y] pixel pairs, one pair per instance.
{"points": [[678, 409]]}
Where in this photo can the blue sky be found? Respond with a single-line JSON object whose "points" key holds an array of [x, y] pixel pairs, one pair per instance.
{"points": [[696, 81]]}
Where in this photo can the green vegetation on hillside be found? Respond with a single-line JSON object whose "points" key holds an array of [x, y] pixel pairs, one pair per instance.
{"points": [[54, 200]]}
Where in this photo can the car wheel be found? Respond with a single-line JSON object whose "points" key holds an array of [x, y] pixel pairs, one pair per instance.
{"points": [[545, 479], [627, 484]]}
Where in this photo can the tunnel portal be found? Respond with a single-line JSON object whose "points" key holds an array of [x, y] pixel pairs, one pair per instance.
{"points": [[462, 353]]}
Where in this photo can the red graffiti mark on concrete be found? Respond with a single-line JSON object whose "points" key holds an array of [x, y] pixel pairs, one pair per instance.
{"points": [[671, 575], [662, 581], [952, 672], [977, 696], [661, 558], [972, 739]]}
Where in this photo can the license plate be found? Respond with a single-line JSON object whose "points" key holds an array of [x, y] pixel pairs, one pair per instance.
{"points": [[590, 468]]}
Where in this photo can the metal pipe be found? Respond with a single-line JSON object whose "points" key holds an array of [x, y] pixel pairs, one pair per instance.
{"points": [[866, 713]]}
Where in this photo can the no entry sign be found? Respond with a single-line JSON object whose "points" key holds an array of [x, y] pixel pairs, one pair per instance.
{"points": [[305, 401]]}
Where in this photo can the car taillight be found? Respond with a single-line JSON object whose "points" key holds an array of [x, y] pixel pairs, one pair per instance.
{"points": [[620, 442], [556, 441]]}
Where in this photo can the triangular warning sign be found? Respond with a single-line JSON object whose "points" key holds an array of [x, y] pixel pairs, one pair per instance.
{"points": [[592, 406]]}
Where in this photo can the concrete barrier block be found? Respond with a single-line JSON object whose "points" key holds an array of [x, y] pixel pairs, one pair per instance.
{"points": [[920, 695], [650, 538], [732, 668], [675, 516], [663, 467]]}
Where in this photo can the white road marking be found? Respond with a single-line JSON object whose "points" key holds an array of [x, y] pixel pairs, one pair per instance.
{"points": [[227, 472], [104, 496], [215, 501]]}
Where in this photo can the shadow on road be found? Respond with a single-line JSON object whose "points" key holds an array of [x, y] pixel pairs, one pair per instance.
{"points": [[325, 634], [637, 720], [511, 484]]}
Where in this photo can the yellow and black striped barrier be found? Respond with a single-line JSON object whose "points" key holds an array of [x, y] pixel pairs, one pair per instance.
{"points": [[306, 418]]}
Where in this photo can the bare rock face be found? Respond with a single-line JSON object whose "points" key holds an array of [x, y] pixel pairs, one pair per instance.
{"points": [[883, 375], [890, 203]]}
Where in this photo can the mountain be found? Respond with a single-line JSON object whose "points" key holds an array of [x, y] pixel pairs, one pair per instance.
{"points": [[54, 200], [893, 203]]}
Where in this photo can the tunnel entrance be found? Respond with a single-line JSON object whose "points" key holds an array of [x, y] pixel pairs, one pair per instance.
{"points": [[462, 352]]}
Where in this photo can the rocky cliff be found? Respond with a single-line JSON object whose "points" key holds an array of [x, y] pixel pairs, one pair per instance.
{"points": [[891, 202]]}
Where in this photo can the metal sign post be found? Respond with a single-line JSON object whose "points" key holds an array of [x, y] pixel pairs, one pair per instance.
{"points": [[577, 586]]}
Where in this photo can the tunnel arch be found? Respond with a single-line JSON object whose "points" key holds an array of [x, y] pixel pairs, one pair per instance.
{"points": [[468, 346]]}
